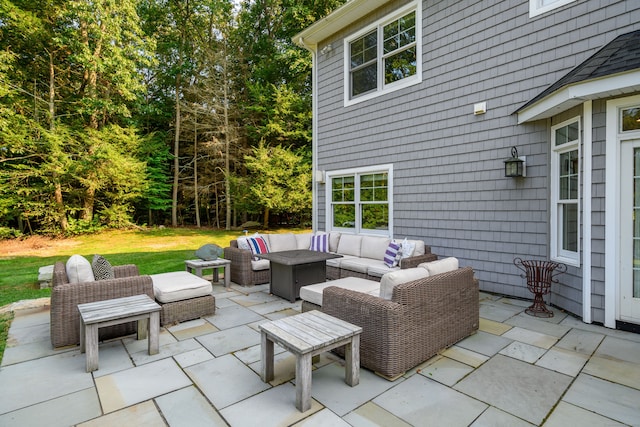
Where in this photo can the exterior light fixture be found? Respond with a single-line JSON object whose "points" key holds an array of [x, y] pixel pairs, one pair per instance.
{"points": [[515, 166]]}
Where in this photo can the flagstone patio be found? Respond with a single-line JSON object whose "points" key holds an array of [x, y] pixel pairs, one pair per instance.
{"points": [[516, 371]]}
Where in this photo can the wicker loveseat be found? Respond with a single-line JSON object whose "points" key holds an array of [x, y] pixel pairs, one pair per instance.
{"points": [[422, 317], [362, 256], [65, 297]]}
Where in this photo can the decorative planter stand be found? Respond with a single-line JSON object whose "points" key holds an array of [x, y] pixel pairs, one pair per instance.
{"points": [[539, 275]]}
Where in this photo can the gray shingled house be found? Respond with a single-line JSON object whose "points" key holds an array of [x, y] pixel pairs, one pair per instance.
{"points": [[417, 104]]}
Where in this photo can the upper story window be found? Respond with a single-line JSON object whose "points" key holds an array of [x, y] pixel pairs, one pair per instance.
{"points": [[565, 192], [384, 56], [538, 7]]}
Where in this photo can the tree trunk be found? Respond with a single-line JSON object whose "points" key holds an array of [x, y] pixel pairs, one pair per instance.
{"points": [[265, 218], [195, 170], [227, 143], [57, 194], [176, 158]]}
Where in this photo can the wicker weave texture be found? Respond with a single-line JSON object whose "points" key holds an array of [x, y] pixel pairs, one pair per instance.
{"points": [[65, 297], [193, 308], [423, 317], [241, 272]]}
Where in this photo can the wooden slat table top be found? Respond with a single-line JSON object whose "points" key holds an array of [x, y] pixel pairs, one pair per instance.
{"points": [[101, 311], [310, 331], [207, 263]]}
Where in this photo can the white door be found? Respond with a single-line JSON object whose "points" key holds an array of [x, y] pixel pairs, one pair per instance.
{"points": [[629, 285]]}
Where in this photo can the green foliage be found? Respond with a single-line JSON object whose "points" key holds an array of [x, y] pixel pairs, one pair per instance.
{"points": [[281, 179], [9, 233]]}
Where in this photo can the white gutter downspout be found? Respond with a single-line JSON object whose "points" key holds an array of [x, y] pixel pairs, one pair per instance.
{"points": [[586, 211], [314, 131]]}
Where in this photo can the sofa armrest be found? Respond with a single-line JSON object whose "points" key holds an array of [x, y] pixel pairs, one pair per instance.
{"points": [[414, 261], [241, 272], [126, 270]]}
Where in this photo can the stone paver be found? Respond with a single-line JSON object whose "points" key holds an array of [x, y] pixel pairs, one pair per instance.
{"points": [[516, 371]]}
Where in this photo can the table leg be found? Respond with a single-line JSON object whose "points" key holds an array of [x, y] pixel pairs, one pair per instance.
{"points": [[91, 345], [303, 382], [215, 278], [227, 276], [352, 361], [267, 358], [143, 327], [154, 332], [82, 336]]}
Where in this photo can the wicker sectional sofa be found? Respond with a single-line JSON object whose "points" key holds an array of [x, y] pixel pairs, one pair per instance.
{"points": [[362, 256], [421, 317]]}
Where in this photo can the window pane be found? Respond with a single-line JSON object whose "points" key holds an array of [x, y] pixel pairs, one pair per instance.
{"points": [[364, 49], [375, 216], [364, 80], [344, 216], [561, 135], [570, 227], [631, 119], [565, 162], [572, 131], [564, 188], [399, 33], [373, 187], [343, 189], [400, 65]]}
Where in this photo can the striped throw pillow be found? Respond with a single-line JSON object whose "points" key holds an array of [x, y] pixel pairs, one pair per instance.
{"points": [[319, 243], [258, 246], [392, 255]]}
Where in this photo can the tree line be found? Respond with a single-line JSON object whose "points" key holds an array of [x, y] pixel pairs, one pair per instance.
{"points": [[172, 112]]}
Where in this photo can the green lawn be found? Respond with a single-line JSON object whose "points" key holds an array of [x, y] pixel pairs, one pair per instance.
{"points": [[156, 250]]}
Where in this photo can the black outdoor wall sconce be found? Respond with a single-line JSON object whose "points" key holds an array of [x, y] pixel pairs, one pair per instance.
{"points": [[515, 166]]}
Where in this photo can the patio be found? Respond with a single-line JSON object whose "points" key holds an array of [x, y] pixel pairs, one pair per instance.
{"points": [[516, 371]]}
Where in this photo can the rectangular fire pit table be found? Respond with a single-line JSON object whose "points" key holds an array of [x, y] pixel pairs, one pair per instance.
{"points": [[307, 335], [290, 270], [95, 315]]}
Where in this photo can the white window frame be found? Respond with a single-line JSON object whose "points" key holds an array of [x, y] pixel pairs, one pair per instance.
{"points": [[538, 7], [557, 253], [414, 6], [356, 172]]}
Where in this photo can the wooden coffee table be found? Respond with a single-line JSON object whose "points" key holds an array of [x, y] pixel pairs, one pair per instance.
{"points": [[198, 265], [95, 315], [306, 335], [290, 270]]}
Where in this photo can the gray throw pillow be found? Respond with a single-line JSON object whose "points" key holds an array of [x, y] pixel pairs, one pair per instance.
{"points": [[102, 269]]}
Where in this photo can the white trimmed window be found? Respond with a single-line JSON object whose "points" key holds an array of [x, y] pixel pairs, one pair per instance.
{"points": [[359, 200], [538, 7], [565, 192], [384, 56]]}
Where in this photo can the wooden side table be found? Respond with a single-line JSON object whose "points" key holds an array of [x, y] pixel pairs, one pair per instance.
{"points": [[197, 265], [306, 335], [95, 315]]}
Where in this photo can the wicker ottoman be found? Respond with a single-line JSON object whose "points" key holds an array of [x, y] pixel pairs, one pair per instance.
{"points": [[182, 296]]}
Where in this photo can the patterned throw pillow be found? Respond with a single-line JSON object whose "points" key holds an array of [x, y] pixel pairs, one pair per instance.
{"points": [[319, 243], [407, 248], [102, 269], [392, 255], [258, 246]]}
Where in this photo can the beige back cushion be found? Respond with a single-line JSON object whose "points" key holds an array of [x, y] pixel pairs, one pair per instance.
{"points": [[349, 244], [79, 269], [395, 278], [419, 248], [281, 242], [440, 265], [303, 240], [334, 239], [374, 247]]}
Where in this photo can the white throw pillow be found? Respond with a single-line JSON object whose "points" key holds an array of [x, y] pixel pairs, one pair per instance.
{"points": [[394, 278], [243, 243], [79, 269], [440, 265], [408, 247]]}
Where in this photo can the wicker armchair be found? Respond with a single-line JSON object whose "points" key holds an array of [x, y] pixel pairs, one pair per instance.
{"points": [[423, 317], [65, 297], [241, 272]]}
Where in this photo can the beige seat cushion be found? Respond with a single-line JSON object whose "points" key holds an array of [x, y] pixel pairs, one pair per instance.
{"points": [[313, 293], [178, 286], [259, 265]]}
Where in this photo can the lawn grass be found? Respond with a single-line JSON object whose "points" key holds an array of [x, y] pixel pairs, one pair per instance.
{"points": [[153, 250]]}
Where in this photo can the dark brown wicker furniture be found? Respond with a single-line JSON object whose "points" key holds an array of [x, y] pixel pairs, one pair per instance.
{"points": [[65, 297], [241, 272], [423, 317]]}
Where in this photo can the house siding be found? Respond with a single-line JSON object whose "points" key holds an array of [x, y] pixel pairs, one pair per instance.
{"points": [[449, 185]]}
